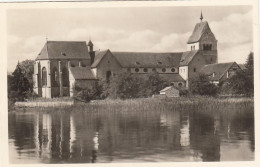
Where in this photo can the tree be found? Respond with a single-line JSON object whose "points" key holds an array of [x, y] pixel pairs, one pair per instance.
{"points": [[202, 86], [152, 85], [236, 84], [124, 86], [18, 84], [27, 67], [250, 74]]}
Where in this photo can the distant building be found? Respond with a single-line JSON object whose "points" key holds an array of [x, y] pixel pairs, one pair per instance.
{"points": [[170, 91], [60, 66], [220, 72]]}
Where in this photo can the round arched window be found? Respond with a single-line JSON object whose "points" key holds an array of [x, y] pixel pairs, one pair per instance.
{"points": [[154, 70], [173, 70], [145, 70], [163, 70], [137, 70], [180, 84]]}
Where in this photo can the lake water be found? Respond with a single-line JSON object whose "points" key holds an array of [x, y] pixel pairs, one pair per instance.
{"points": [[90, 137]]}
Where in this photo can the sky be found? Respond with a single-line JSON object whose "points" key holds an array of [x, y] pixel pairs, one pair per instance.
{"points": [[133, 29]]}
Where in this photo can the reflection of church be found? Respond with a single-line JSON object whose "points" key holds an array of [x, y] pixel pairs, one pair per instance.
{"points": [[62, 65]]}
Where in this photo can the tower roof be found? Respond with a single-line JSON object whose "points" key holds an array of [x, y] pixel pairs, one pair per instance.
{"points": [[198, 31], [64, 50], [90, 43]]}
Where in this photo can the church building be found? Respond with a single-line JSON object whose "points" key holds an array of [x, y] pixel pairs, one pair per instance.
{"points": [[62, 65]]}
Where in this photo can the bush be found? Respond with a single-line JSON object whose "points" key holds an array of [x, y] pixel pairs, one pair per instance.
{"points": [[202, 86]]}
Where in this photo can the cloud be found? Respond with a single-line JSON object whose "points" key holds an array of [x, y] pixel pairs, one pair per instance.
{"points": [[234, 29], [13, 39], [172, 43], [238, 53]]}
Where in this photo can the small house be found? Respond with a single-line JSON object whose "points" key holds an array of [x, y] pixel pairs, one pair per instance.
{"points": [[220, 72], [170, 91]]}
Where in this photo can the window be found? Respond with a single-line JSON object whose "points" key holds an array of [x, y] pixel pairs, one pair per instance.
{"points": [[137, 70], [44, 76], [190, 47], [137, 63], [194, 69], [211, 59], [163, 70], [145, 70], [54, 77], [173, 70], [154, 70], [193, 47], [65, 77], [213, 75], [207, 47], [128, 69], [108, 75], [180, 84], [108, 61]]}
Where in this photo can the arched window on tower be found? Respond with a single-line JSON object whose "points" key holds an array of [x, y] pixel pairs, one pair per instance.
{"points": [[65, 77], [44, 76]]}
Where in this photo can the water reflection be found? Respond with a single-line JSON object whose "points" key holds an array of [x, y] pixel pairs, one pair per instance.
{"points": [[59, 137]]}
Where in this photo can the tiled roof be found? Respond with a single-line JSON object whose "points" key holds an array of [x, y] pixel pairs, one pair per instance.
{"points": [[219, 70], [98, 57], [83, 73], [143, 59], [187, 57], [64, 50], [172, 77], [199, 29], [169, 87]]}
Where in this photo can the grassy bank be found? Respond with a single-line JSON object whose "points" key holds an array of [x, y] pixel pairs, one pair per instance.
{"points": [[206, 104]]}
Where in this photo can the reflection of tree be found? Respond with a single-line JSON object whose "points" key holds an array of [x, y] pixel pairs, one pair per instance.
{"points": [[21, 130], [202, 136], [240, 121]]}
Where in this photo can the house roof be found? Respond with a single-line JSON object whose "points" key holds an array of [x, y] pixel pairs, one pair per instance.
{"points": [[144, 59], [168, 88], [98, 57], [242, 66], [172, 77], [219, 70], [199, 29], [64, 50], [187, 57], [82, 73]]}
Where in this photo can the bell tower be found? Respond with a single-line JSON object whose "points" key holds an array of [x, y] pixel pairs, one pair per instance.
{"points": [[203, 39]]}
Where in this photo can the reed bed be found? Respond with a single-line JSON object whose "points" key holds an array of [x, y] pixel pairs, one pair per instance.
{"points": [[201, 104]]}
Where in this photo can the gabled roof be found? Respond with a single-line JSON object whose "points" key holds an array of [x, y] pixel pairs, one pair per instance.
{"points": [[64, 50], [199, 29], [98, 57], [169, 87], [219, 70], [187, 57], [144, 59], [82, 73]]}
